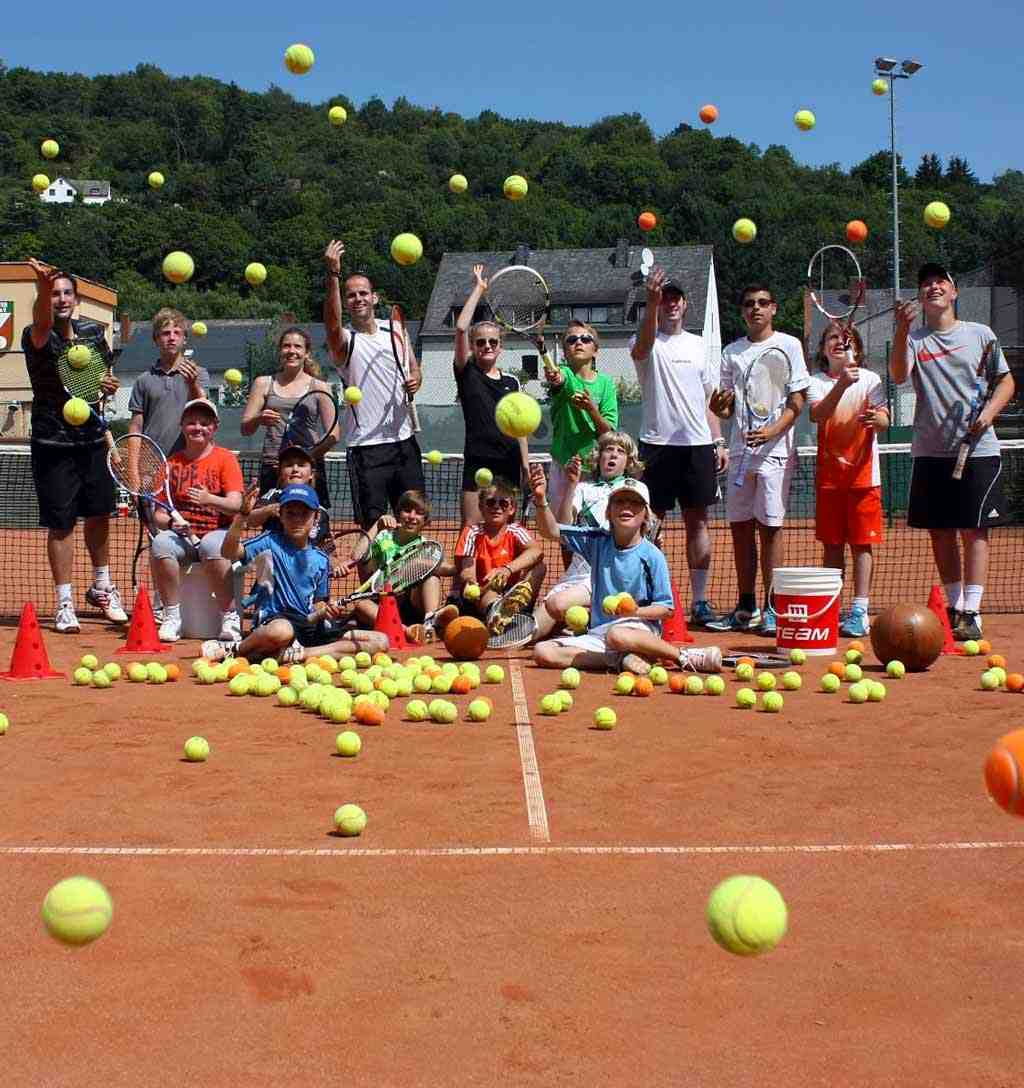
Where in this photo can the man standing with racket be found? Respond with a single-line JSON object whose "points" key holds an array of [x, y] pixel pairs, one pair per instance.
{"points": [[69, 466], [762, 449], [962, 382], [681, 441], [384, 459]]}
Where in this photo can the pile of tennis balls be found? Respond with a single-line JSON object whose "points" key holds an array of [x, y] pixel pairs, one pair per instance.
{"points": [[861, 689], [90, 673]]}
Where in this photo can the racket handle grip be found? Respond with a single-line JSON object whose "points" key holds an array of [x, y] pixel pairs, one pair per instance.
{"points": [[961, 459], [414, 416]]}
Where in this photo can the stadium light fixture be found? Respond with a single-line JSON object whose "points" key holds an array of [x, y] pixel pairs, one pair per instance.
{"points": [[909, 67], [885, 64]]}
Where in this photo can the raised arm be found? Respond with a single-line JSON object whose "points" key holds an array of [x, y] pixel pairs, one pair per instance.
{"points": [[337, 336], [649, 326], [900, 363], [463, 348], [547, 526], [42, 308]]}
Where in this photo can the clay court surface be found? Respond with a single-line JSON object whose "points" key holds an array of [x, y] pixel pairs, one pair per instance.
{"points": [[526, 904]]}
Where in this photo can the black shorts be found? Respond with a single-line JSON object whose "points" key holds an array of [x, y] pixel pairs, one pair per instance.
{"points": [[307, 634], [508, 468], [379, 476], [269, 476], [975, 501], [683, 474], [71, 482]]}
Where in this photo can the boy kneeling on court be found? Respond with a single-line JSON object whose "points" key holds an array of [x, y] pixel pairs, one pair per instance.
{"points": [[292, 612], [621, 560]]}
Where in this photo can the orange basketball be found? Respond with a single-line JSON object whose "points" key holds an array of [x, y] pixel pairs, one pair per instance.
{"points": [[1004, 773], [677, 682], [173, 671], [1014, 681], [643, 686], [465, 638]]}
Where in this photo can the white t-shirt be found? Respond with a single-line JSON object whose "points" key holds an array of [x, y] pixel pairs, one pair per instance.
{"points": [[676, 380], [736, 358], [383, 414], [589, 508], [847, 450]]}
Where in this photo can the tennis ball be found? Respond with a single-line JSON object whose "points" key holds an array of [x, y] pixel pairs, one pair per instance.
{"points": [[287, 696], [971, 648], [446, 713], [746, 915], [856, 231], [337, 115], [363, 660], [744, 231], [4, 724], [416, 710], [421, 682], [77, 910], [571, 678], [75, 411], [113, 670], [471, 592], [766, 681], [348, 743], [350, 820], [353, 394], [199, 329], [515, 187], [858, 693], [694, 685], [647, 220], [605, 718], [565, 699], [82, 676], [879, 86], [157, 674], [744, 671], [406, 249], [347, 662], [298, 59], [483, 477], [830, 682], [435, 457], [854, 673], [550, 704], [577, 618], [658, 675], [610, 604], [458, 183], [517, 415], [339, 711], [990, 680], [138, 673], [442, 684], [178, 267], [479, 710], [89, 661], [708, 114], [804, 120], [197, 749], [78, 356], [240, 683], [773, 702], [714, 685], [896, 669], [155, 179], [876, 691], [1000, 673], [625, 683], [100, 679], [494, 674], [255, 273], [797, 657], [746, 698], [853, 657], [936, 214], [792, 681], [49, 149], [40, 182]]}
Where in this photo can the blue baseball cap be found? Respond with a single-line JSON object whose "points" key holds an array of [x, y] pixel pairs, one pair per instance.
{"points": [[299, 493]]}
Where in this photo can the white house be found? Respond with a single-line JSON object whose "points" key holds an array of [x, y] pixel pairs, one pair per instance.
{"points": [[68, 190]]}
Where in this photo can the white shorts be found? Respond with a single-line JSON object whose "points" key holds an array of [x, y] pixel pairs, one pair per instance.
{"points": [[569, 581], [167, 544], [595, 641], [764, 493]]}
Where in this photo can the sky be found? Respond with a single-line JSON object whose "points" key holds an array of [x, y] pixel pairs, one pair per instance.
{"points": [[573, 61]]}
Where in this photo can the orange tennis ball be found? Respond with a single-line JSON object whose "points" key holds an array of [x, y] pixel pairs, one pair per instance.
{"points": [[745, 661], [1004, 773], [856, 230], [647, 220], [984, 646], [368, 713], [677, 682], [1014, 681], [461, 685], [838, 668], [708, 114], [643, 686], [996, 661], [626, 606], [465, 638], [173, 671]]}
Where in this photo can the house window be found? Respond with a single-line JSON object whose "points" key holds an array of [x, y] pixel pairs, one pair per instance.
{"points": [[559, 315], [581, 313], [614, 315], [599, 315], [52, 192]]}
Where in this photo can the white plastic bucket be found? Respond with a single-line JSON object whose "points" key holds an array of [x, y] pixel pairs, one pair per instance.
{"points": [[200, 613], [806, 601]]}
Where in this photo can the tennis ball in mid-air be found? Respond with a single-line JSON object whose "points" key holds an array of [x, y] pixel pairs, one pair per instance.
{"points": [[515, 187], [178, 267], [577, 618], [896, 670], [75, 411], [571, 678], [435, 457], [858, 692], [156, 180], [350, 820], [744, 231], [936, 214], [82, 676], [708, 114], [458, 183], [78, 356], [804, 120], [773, 702], [746, 915], [49, 149], [298, 59], [255, 273], [353, 394], [605, 718], [337, 115], [77, 910], [406, 249], [479, 710], [197, 749], [856, 231], [517, 415], [830, 682], [40, 182], [483, 477], [647, 220], [879, 86], [746, 698], [494, 674], [714, 685], [199, 329], [348, 743]]}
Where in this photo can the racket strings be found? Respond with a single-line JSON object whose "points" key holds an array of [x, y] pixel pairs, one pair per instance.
{"points": [[412, 568], [310, 421], [519, 299], [83, 381]]}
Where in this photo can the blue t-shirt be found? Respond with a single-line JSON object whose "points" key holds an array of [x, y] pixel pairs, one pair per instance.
{"points": [[299, 576], [641, 571]]}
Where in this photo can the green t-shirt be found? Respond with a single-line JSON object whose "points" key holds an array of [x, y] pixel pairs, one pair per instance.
{"points": [[573, 431]]}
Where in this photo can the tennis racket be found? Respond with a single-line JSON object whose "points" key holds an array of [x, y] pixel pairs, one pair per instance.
{"points": [[311, 421], [138, 465], [836, 287], [401, 351], [763, 391], [81, 366], [986, 379], [510, 620], [761, 661], [415, 564], [520, 301]]}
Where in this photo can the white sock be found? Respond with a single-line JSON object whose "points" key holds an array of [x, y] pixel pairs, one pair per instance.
{"points": [[64, 593], [101, 577], [172, 611], [954, 594], [699, 584], [972, 597], [860, 602]]}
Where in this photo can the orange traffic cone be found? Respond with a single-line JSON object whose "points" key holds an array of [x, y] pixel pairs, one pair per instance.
{"points": [[675, 629], [30, 660], [937, 605], [142, 635], [389, 621]]}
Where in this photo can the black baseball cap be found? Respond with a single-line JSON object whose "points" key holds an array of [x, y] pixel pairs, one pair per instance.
{"points": [[293, 449], [673, 285], [932, 269]]}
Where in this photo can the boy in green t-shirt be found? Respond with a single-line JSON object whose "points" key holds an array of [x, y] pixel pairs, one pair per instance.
{"points": [[584, 404]]}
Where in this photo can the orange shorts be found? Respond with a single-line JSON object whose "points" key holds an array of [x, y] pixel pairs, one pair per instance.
{"points": [[849, 517]]}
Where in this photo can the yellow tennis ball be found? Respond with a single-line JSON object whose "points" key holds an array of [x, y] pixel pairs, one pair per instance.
{"points": [[156, 673], [240, 683], [178, 267], [298, 59], [40, 182], [773, 702], [406, 249], [483, 477], [550, 704], [766, 681], [792, 681], [416, 710], [82, 676], [77, 910], [744, 671], [571, 678], [156, 180], [494, 674], [936, 214], [479, 710], [233, 376], [90, 661], [471, 592], [605, 718], [830, 683], [744, 231], [100, 679], [797, 656], [746, 698], [75, 411], [854, 673], [746, 915], [694, 685], [363, 660], [880, 86], [458, 183], [714, 685], [517, 415], [858, 693], [138, 673], [658, 675], [113, 670], [49, 149], [348, 743], [350, 820], [896, 670], [353, 394], [804, 120], [4, 724], [255, 273], [577, 618], [197, 749], [624, 683], [435, 457], [515, 187], [337, 115], [199, 329], [78, 356]]}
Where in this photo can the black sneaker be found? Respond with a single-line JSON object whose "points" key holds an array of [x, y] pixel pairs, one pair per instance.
{"points": [[954, 615], [968, 627]]}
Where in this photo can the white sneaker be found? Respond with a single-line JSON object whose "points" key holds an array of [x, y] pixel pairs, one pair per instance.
{"points": [[230, 627], [701, 659], [108, 601], [635, 664], [66, 622], [170, 629], [215, 650]]}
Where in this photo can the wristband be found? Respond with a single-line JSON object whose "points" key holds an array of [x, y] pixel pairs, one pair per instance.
{"points": [[540, 505], [719, 442]]}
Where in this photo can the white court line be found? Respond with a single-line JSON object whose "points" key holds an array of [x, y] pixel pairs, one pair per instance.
{"points": [[501, 851], [536, 810]]}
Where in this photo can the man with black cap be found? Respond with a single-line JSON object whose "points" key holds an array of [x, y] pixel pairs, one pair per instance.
{"points": [[681, 441], [945, 358]]}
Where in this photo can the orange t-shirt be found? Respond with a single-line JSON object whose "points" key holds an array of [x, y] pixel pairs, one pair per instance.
{"points": [[219, 472], [492, 552], [847, 450]]}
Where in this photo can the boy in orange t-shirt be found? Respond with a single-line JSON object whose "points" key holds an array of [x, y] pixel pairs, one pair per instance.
{"points": [[206, 486]]}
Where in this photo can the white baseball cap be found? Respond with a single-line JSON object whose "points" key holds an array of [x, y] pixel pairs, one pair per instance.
{"points": [[629, 486]]}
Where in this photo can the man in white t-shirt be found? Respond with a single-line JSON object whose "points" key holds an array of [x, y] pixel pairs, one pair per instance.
{"points": [[681, 443], [384, 459], [757, 506]]}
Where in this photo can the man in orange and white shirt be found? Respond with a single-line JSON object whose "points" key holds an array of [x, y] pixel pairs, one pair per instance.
{"points": [[847, 403]]}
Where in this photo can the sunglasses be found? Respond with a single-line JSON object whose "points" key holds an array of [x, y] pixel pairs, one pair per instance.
{"points": [[584, 339], [764, 303], [486, 342], [498, 504]]}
